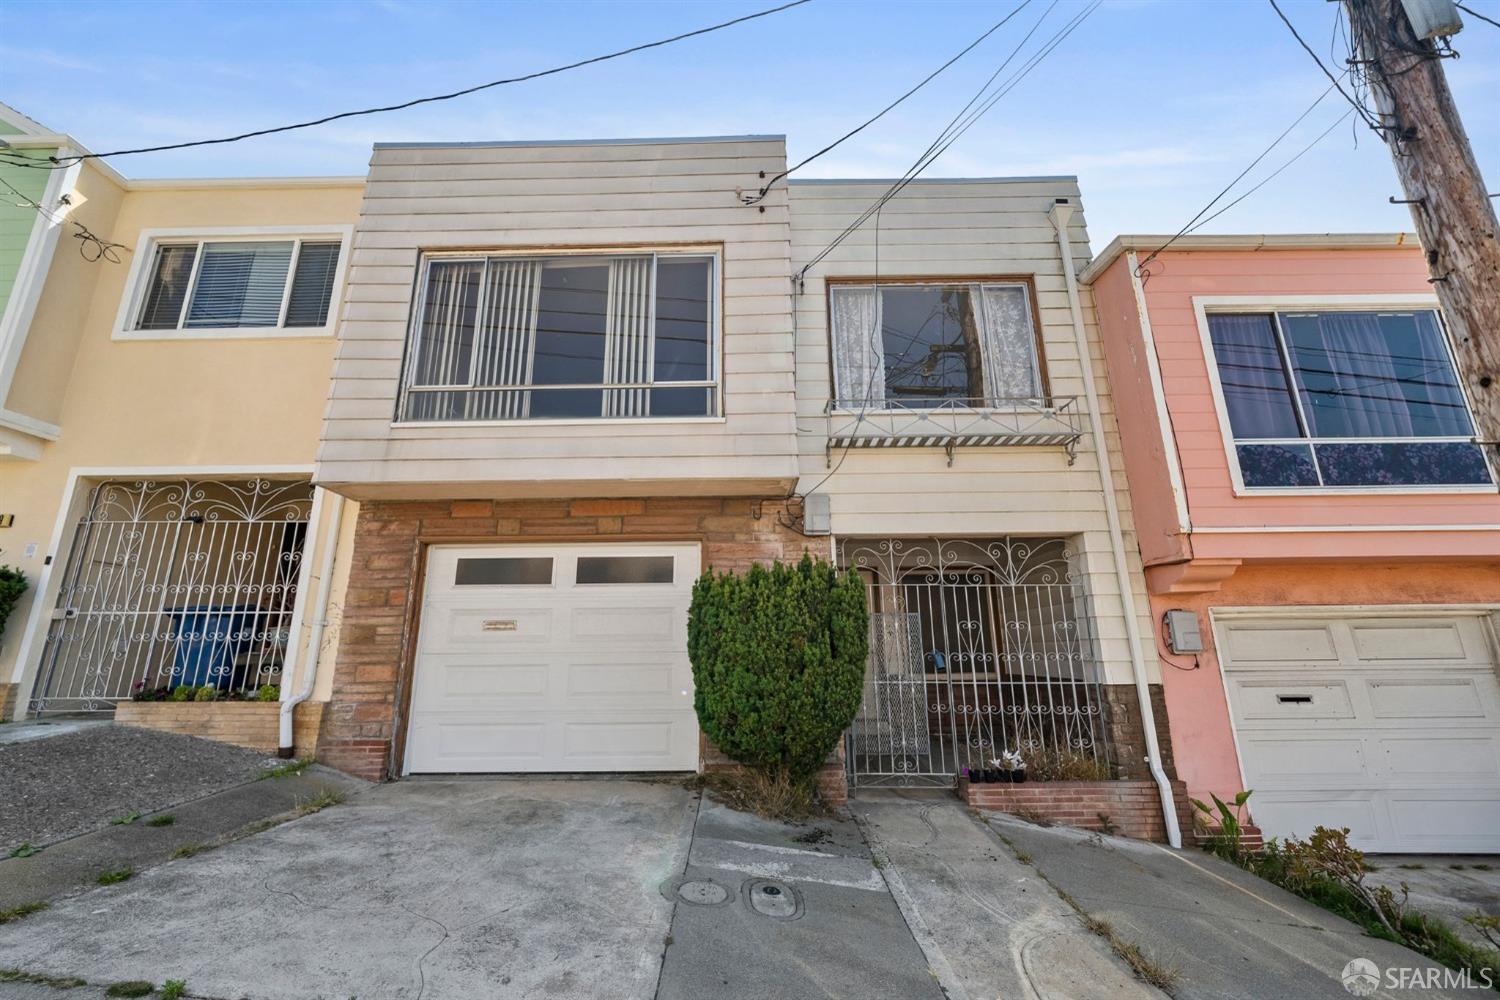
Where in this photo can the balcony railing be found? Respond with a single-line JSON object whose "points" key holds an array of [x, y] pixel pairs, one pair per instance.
{"points": [[959, 422]]}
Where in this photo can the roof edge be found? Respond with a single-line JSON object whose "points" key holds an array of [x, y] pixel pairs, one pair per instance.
{"points": [[1247, 241], [646, 141], [188, 183], [1040, 178]]}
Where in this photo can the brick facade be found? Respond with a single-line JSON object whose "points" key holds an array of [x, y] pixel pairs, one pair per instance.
{"points": [[363, 731], [1133, 808], [9, 693], [1127, 734], [255, 725]]}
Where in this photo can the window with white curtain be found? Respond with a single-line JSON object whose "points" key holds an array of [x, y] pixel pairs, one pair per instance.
{"points": [[1343, 399], [920, 346], [573, 337], [239, 284]]}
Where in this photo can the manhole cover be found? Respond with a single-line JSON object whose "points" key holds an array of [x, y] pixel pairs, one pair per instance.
{"points": [[771, 898], [702, 892]]}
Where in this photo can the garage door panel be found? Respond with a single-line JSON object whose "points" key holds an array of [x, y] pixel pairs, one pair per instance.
{"points": [[1442, 760], [1295, 643], [638, 622], [1448, 699], [459, 744], [626, 675], [1296, 702], [1408, 642], [1292, 762], [1399, 739], [460, 681], [496, 626], [615, 745]]}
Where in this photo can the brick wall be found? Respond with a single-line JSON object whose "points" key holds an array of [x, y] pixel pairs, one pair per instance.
{"points": [[1127, 735], [252, 724], [379, 613], [1132, 807], [9, 693]]}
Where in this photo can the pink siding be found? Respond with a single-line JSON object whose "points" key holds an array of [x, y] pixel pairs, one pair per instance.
{"points": [[1179, 276]]}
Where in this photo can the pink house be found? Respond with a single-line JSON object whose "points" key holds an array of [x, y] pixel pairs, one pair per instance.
{"points": [[1319, 528]]}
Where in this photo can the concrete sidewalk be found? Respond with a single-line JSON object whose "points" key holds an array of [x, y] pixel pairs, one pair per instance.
{"points": [[1228, 933], [990, 927]]}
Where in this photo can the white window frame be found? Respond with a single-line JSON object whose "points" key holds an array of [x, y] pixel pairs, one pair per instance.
{"points": [[714, 252], [143, 264], [1206, 305], [1043, 398]]}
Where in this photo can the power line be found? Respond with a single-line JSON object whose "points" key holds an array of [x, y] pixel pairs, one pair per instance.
{"points": [[439, 97], [1363, 113], [1476, 13], [766, 187], [90, 246], [1194, 222]]}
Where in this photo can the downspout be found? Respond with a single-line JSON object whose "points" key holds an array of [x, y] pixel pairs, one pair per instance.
{"points": [[1059, 216], [285, 746]]}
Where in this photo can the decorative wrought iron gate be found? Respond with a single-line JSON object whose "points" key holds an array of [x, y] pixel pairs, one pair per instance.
{"points": [[172, 583], [976, 646]]}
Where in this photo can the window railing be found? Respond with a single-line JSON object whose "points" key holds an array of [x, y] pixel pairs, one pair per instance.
{"points": [[955, 422]]}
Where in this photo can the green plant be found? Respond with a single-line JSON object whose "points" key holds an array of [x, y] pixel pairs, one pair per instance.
{"points": [[286, 770], [268, 692], [130, 988], [1106, 825], [12, 975], [319, 802], [125, 820], [165, 819], [24, 851], [173, 989], [207, 693], [1487, 924], [115, 875], [187, 850], [778, 660], [1226, 837], [183, 692], [17, 912], [12, 585]]}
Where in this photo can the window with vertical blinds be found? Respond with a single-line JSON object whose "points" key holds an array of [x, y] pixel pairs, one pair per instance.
{"points": [[240, 285], [578, 337]]}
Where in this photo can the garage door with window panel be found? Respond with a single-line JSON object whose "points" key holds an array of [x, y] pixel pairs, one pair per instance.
{"points": [[554, 658], [1388, 725]]}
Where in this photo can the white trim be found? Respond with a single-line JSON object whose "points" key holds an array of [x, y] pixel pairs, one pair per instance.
{"points": [[198, 183], [1159, 397], [28, 126], [144, 257], [416, 425], [33, 636], [1205, 304], [31, 276], [1352, 529], [1234, 731], [23, 424], [1472, 610], [1244, 242]]}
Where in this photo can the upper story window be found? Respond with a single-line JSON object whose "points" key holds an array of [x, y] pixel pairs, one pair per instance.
{"points": [[1344, 399], [919, 346], [576, 337], [242, 285]]}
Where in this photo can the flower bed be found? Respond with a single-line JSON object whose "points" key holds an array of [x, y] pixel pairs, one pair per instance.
{"points": [[251, 724], [1127, 808]]}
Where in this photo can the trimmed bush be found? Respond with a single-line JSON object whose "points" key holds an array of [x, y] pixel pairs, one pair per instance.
{"points": [[778, 662], [12, 585]]}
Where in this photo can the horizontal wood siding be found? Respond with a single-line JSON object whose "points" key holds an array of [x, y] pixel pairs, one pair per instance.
{"points": [[974, 228], [567, 195]]}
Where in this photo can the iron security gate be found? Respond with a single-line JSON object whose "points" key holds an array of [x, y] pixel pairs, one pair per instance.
{"points": [[171, 583], [976, 646]]}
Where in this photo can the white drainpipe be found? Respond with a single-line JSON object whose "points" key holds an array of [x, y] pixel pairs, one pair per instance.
{"points": [[1061, 213], [315, 639]]}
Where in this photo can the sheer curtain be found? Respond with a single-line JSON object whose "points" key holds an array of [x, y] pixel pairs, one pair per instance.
{"points": [[1009, 345], [1253, 377], [858, 354]]}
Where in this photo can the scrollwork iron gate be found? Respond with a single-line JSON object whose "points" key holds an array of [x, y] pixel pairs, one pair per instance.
{"points": [[172, 583], [976, 646]]}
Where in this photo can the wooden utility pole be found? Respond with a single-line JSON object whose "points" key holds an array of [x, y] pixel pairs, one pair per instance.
{"points": [[1454, 215]]}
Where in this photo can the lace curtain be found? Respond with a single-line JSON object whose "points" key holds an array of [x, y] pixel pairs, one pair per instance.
{"points": [[858, 357], [1009, 345]]}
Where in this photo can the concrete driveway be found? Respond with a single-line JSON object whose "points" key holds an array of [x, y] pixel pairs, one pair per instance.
{"points": [[416, 889]]}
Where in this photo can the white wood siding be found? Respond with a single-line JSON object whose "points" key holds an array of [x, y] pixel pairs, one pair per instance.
{"points": [[967, 228], [604, 195]]}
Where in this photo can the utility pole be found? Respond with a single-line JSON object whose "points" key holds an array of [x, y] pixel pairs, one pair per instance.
{"points": [[1454, 215]]}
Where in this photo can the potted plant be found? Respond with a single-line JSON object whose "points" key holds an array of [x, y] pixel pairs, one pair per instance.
{"points": [[1014, 765]]}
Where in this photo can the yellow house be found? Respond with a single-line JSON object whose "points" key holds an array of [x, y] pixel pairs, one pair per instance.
{"points": [[161, 387]]}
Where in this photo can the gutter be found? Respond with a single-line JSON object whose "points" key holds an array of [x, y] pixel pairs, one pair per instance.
{"points": [[1059, 216], [285, 747]]}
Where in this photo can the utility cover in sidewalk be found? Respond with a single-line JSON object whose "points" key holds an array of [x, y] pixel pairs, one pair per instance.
{"points": [[703, 892], [771, 898]]}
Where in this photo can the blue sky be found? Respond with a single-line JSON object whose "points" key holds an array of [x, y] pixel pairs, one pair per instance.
{"points": [[1154, 104]]}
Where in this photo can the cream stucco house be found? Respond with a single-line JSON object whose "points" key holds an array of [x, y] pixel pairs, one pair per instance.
{"points": [[568, 377]]}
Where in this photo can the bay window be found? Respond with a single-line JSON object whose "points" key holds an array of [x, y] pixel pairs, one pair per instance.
{"points": [[1344, 399], [567, 337], [924, 346]]}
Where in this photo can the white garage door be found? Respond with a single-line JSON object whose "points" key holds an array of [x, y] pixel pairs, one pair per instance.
{"points": [[554, 658], [1387, 725]]}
